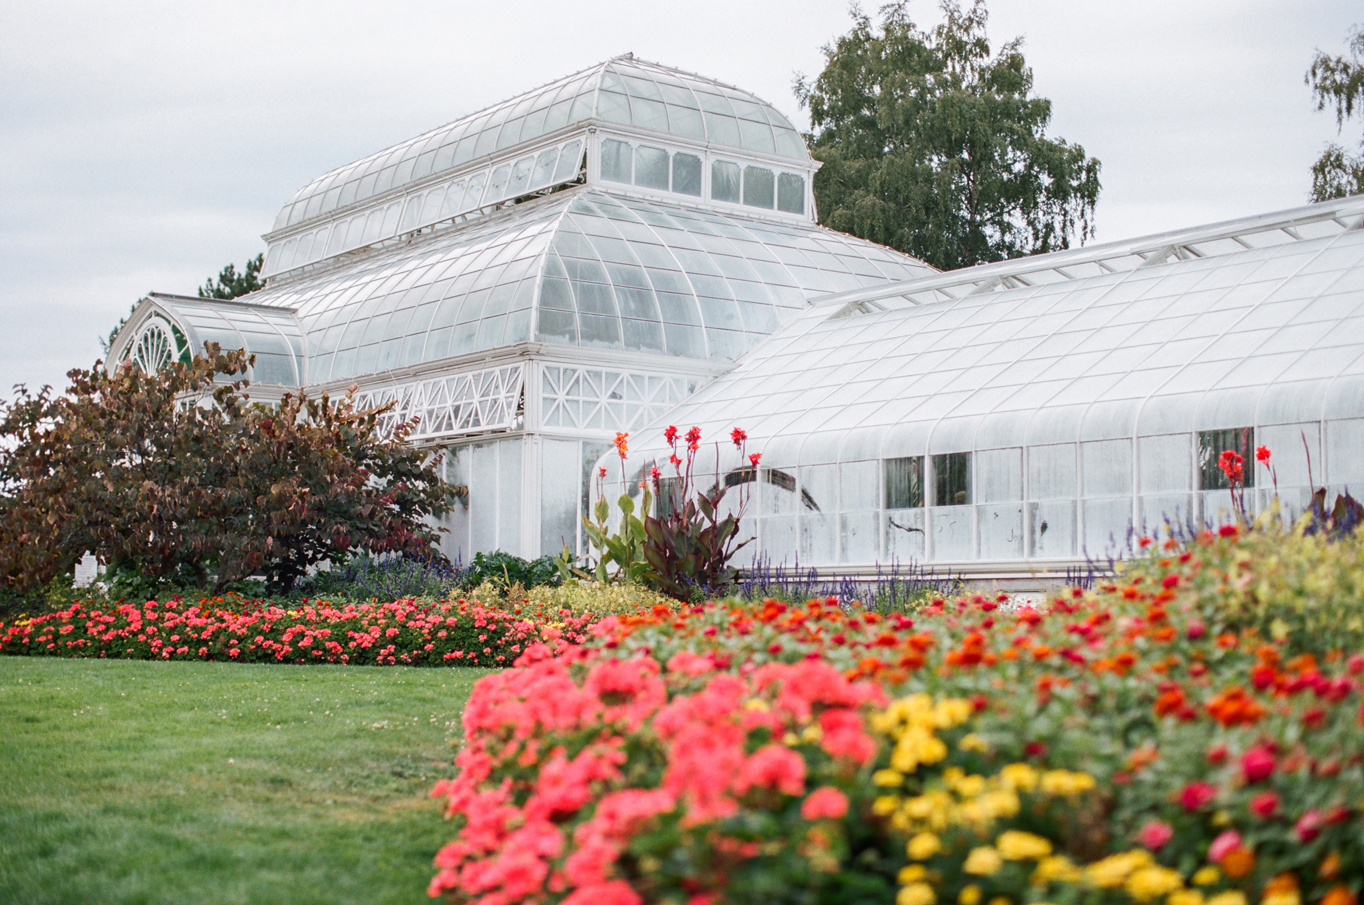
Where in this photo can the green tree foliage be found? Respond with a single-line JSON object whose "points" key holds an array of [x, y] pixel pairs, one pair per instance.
{"points": [[935, 147], [231, 285], [1338, 82], [178, 475]]}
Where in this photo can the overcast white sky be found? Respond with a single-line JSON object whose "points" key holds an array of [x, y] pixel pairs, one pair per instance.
{"points": [[144, 144]]}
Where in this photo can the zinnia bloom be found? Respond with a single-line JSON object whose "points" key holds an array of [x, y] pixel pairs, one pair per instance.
{"points": [[1197, 795], [1155, 834], [1257, 764]]}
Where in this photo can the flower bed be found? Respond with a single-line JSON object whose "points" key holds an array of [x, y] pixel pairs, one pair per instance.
{"points": [[1131, 743], [407, 632]]}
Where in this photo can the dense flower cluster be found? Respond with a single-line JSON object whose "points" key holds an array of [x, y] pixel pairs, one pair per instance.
{"points": [[407, 632], [1129, 743]]}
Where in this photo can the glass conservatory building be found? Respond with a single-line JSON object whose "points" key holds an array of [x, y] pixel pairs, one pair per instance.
{"points": [[532, 278], [1013, 419]]}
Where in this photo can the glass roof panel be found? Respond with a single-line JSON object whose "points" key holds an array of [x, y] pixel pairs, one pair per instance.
{"points": [[624, 90]]}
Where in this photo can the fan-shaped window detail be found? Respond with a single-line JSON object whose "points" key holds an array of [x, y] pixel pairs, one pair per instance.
{"points": [[158, 343]]}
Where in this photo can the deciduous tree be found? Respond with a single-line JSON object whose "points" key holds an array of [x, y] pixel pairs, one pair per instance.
{"points": [[936, 147], [177, 475], [1338, 82]]}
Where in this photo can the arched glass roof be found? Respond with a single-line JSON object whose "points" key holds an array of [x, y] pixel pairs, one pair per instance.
{"points": [[1116, 376], [623, 90], [271, 334], [585, 267]]}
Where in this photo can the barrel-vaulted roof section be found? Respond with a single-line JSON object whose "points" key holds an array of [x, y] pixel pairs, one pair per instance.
{"points": [[168, 327], [624, 91], [1254, 322], [584, 267]]}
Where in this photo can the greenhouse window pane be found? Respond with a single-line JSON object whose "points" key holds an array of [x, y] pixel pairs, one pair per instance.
{"points": [[999, 475], [724, 181], [570, 159], [791, 193], [1107, 467], [1051, 472], [1001, 530], [953, 533], [651, 168], [905, 482], [1163, 463], [544, 169], [1052, 528], [687, 174], [615, 160], [520, 176], [951, 479], [759, 187], [905, 535], [1211, 445]]}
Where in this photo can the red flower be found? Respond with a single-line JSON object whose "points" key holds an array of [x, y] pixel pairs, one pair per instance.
{"points": [[1155, 834], [1196, 796], [693, 436], [670, 434], [1257, 764], [824, 802], [738, 436], [1262, 454], [1265, 805], [1231, 463], [1217, 755], [754, 457], [601, 472], [1309, 825], [1228, 531]]}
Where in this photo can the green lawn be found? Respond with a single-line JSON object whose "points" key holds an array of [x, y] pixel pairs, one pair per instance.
{"points": [[140, 782]]}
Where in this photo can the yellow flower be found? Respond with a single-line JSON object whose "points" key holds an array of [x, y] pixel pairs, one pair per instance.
{"points": [[1221, 818], [911, 873], [1016, 845], [983, 861], [1154, 881], [1113, 871], [916, 894], [1282, 897], [884, 804], [1056, 867], [1003, 803], [1230, 897], [953, 712], [972, 742], [888, 778], [970, 786], [1064, 782], [790, 740], [1019, 776], [1185, 897], [1206, 876], [923, 846], [969, 895], [811, 734]]}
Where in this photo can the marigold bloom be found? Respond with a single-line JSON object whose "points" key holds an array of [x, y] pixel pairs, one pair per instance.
{"points": [[923, 846], [1339, 894], [1152, 882], [983, 861], [1230, 897], [916, 894], [969, 895], [1238, 862], [1016, 845]]}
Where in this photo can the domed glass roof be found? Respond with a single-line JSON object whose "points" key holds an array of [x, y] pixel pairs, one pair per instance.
{"points": [[624, 91], [586, 267]]}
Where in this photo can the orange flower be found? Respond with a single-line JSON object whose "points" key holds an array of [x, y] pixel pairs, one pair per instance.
{"points": [[1284, 882], [1330, 866], [1339, 895], [1238, 862], [1233, 707]]}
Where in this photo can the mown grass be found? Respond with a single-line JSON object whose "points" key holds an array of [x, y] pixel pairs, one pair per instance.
{"points": [[145, 782]]}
